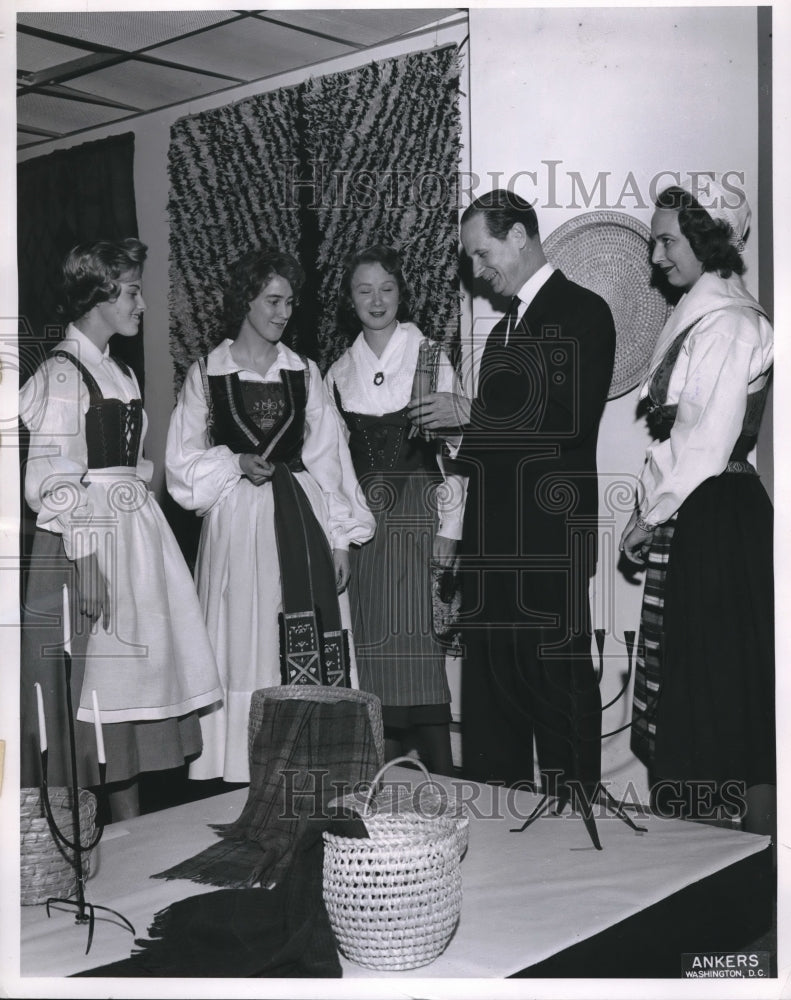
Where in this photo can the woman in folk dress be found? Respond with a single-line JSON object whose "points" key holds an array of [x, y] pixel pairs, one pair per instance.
{"points": [[138, 640], [418, 509], [254, 448], [704, 693]]}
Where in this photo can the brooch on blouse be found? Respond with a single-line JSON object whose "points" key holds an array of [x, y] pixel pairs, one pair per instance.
{"points": [[379, 378]]}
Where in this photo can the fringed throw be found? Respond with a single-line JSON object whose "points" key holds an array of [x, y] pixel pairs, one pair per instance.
{"points": [[231, 933]]}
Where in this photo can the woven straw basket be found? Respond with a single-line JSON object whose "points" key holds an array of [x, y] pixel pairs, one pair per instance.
{"points": [[394, 899], [46, 867], [609, 253]]}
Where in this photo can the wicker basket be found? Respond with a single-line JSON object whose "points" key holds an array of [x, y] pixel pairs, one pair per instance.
{"points": [[394, 899], [46, 867], [609, 253], [399, 807]]}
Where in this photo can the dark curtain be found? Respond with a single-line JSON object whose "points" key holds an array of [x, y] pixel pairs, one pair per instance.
{"points": [[65, 198]]}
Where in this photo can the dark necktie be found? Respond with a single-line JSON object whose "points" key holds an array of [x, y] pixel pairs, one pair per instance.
{"points": [[511, 317], [496, 341], [505, 326]]}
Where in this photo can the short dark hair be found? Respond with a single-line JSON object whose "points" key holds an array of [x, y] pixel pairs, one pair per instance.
{"points": [[91, 272], [248, 275], [390, 260], [709, 238], [502, 209]]}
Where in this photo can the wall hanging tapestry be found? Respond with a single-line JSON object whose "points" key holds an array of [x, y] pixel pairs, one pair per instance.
{"points": [[320, 170]]}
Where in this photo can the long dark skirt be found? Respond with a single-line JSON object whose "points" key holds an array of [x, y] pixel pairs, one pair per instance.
{"points": [[715, 710], [398, 655], [131, 747]]}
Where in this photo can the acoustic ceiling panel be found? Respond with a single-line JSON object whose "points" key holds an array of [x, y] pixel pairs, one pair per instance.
{"points": [[35, 54], [251, 49], [116, 57], [145, 86], [360, 26], [127, 30], [53, 114]]}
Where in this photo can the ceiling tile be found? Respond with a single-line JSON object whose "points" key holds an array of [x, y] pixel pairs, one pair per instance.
{"points": [[34, 54], [240, 45], [127, 30], [57, 115], [363, 27], [146, 86], [251, 49]]}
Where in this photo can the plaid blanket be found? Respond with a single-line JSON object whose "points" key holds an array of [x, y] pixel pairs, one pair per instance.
{"points": [[304, 753]]}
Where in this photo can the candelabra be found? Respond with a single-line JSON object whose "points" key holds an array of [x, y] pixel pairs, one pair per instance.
{"points": [[85, 910]]}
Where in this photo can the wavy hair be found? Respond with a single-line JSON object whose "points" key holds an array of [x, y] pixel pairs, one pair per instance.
{"points": [[247, 277], [91, 273], [389, 258], [709, 238]]}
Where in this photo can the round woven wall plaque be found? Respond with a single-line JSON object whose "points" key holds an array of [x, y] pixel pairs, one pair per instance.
{"points": [[609, 253]]}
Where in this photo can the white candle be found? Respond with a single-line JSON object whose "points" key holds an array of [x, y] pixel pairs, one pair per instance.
{"points": [[97, 725], [42, 723], [66, 621]]}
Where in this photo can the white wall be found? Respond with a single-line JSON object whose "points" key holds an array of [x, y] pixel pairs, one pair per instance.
{"points": [[629, 91]]}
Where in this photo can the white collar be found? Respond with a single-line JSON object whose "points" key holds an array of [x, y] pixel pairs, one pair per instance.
{"points": [[394, 348], [221, 361], [532, 286], [84, 347]]}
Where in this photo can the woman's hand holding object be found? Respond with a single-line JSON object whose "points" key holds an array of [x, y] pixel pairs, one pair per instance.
{"points": [[257, 469]]}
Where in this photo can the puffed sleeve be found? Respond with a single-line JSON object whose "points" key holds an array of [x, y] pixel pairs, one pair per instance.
{"points": [[452, 497], [52, 405], [326, 456], [710, 415], [199, 475]]}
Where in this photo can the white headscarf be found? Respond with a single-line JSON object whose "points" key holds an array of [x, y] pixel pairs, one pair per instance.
{"points": [[728, 204]]}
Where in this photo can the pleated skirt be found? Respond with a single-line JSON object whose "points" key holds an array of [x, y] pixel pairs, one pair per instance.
{"points": [[398, 656]]}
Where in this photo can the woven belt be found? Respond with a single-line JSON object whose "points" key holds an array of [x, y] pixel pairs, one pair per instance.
{"points": [[739, 465]]}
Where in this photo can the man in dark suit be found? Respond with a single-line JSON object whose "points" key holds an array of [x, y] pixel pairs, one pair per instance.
{"points": [[528, 549]]}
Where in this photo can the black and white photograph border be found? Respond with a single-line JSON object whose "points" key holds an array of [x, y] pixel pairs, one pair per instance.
{"points": [[610, 100]]}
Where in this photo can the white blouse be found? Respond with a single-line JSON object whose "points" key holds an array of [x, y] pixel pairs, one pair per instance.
{"points": [[52, 405], [200, 474], [727, 355], [354, 373]]}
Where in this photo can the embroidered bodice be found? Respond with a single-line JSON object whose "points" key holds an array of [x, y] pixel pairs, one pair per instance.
{"points": [[261, 417]]}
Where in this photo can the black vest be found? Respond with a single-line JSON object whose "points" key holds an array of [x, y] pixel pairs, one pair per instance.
{"points": [[112, 428], [258, 417]]}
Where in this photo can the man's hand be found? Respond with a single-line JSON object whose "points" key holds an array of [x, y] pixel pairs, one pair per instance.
{"points": [[94, 594], [440, 411], [257, 469]]}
